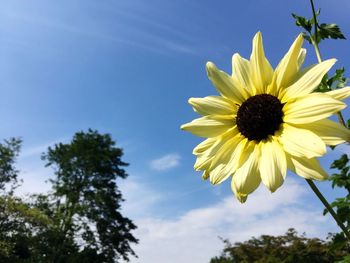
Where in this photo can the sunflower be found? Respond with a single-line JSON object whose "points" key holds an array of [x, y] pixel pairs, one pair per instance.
{"points": [[266, 121]]}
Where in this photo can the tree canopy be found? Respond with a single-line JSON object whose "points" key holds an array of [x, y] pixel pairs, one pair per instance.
{"points": [[287, 248], [80, 218]]}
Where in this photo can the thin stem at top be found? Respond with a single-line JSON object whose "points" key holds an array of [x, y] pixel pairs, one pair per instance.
{"points": [[318, 53]]}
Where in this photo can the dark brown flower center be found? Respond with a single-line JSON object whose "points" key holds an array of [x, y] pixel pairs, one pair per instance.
{"points": [[259, 116]]}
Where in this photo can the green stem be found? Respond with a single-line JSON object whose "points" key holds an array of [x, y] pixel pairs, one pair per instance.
{"points": [[328, 207], [341, 119], [315, 21], [318, 54], [317, 50]]}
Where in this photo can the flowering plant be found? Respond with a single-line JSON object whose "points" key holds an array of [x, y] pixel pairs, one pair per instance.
{"points": [[267, 121]]}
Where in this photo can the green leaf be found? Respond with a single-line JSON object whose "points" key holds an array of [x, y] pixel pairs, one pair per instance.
{"points": [[346, 259], [340, 163], [337, 81], [331, 31], [301, 21], [339, 241]]}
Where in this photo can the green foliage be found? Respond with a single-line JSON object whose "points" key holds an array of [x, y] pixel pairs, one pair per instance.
{"points": [[18, 220], [337, 81], [301, 21], [80, 219], [18, 224], [288, 248], [341, 205], [314, 33], [317, 32], [330, 31]]}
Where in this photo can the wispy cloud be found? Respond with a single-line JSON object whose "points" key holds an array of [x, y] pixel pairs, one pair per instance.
{"points": [[123, 33], [37, 150], [166, 162], [196, 232]]}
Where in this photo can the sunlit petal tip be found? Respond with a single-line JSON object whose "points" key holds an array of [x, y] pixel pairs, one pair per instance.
{"points": [[241, 198], [191, 101], [205, 175], [273, 188], [273, 164], [210, 67], [339, 94], [203, 146], [288, 68], [301, 57], [257, 37], [311, 107], [307, 168], [332, 133], [298, 42], [329, 63], [208, 126], [331, 60], [236, 56], [300, 37]]}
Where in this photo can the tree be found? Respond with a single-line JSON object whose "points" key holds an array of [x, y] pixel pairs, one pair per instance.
{"points": [[9, 151], [85, 202], [288, 248], [18, 221]]}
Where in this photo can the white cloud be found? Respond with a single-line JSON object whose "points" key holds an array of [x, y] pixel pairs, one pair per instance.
{"points": [[35, 180], [166, 162], [140, 199], [193, 237]]}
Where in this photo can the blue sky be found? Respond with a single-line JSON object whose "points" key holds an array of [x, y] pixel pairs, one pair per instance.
{"points": [[128, 68]]}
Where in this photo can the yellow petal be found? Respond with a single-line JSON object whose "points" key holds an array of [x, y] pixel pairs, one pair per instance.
{"points": [[218, 175], [309, 81], [205, 175], [203, 146], [288, 67], [247, 178], [241, 71], [225, 84], [207, 126], [330, 132], [240, 197], [206, 157], [240, 154], [306, 168], [202, 162], [339, 94], [310, 108], [221, 141], [301, 58], [300, 142], [261, 69], [213, 105], [273, 164], [226, 151]]}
